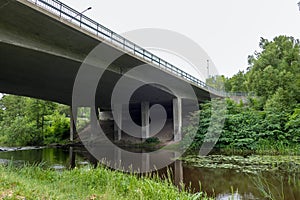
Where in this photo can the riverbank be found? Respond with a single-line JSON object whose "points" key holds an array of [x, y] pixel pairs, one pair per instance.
{"points": [[220, 177], [34, 182]]}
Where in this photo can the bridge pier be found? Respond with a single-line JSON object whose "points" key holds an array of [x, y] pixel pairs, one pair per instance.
{"points": [[118, 122], [145, 112], [177, 118], [72, 158], [73, 119], [94, 116], [178, 171], [145, 162], [118, 157]]}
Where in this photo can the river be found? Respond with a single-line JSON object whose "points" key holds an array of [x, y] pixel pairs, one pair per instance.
{"points": [[219, 183]]}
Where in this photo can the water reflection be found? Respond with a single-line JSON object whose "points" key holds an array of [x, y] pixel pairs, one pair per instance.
{"points": [[72, 158], [57, 158], [220, 183], [227, 183]]}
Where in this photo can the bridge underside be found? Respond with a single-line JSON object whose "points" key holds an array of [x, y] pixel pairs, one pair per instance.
{"points": [[40, 55]]}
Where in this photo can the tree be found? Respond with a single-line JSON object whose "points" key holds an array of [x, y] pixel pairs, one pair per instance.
{"points": [[276, 66], [36, 110], [217, 82], [292, 127], [237, 83], [28, 121]]}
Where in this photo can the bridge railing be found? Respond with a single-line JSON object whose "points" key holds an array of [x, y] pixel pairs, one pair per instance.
{"points": [[63, 11], [240, 94]]}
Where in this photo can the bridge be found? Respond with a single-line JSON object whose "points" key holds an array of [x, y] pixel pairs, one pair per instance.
{"points": [[43, 43]]}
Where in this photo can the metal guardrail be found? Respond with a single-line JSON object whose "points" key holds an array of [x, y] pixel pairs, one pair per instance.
{"points": [[238, 94], [63, 11]]}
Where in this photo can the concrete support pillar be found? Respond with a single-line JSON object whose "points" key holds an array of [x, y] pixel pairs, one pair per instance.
{"points": [[177, 118], [118, 158], [72, 158], [145, 120], [178, 173], [94, 120], [73, 119], [145, 162], [118, 122]]}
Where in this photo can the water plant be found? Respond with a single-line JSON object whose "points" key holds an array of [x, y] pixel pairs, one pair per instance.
{"points": [[268, 190]]}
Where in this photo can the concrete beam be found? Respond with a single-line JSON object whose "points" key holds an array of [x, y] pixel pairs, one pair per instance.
{"points": [[145, 120], [177, 118]]}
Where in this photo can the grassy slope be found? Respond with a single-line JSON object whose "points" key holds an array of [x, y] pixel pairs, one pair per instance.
{"points": [[101, 183]]}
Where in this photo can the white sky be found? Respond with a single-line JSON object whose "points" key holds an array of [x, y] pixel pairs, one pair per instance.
{"points": [[228, 30]]}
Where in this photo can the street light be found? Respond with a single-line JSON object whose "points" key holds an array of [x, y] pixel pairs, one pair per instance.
{"points": [[207, 68], [89, 8], [299, 5]]}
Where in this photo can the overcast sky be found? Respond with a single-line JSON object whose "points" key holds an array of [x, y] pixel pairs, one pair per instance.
{"points": [[228, 30]]}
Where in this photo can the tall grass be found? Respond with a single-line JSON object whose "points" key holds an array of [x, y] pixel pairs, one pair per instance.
{"points": [[34, 182], [267, 189]]}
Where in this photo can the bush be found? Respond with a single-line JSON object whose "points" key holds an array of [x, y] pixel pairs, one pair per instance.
{"points": [[152, 140], [21, 132], [58, 128], [246, 128]]}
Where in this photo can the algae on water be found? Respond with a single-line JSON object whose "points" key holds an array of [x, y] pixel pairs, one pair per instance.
{"points": [[250, 164]]}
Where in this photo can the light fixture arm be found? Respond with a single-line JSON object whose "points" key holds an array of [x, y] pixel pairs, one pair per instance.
{"points": [[89, 8]]}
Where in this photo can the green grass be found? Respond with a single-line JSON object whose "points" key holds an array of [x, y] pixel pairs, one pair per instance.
{"points": [[34, 182]]}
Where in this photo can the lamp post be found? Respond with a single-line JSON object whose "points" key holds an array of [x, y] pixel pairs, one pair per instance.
{"points": [[89, 8], [207, 68]]}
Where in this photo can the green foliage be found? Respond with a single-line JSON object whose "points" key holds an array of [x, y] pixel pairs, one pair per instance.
{"points": [[205, 125], [193, 135], [280, 101], [246, 128], [21, 132], [217, 82], [292, 127], [152, 140], [237, 83], [273, 74], [58, 128], [27, 121], [272, 118], [256, 103], [276, 68]]}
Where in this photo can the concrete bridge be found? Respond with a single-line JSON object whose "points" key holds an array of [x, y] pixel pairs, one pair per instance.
{"points": [[43, 44]]}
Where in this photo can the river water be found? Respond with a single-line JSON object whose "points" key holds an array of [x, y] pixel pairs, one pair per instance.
{"points": [[219, 183]]}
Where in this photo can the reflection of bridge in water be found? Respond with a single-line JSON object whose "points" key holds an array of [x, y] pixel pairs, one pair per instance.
{"points": [[175, 169]]}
